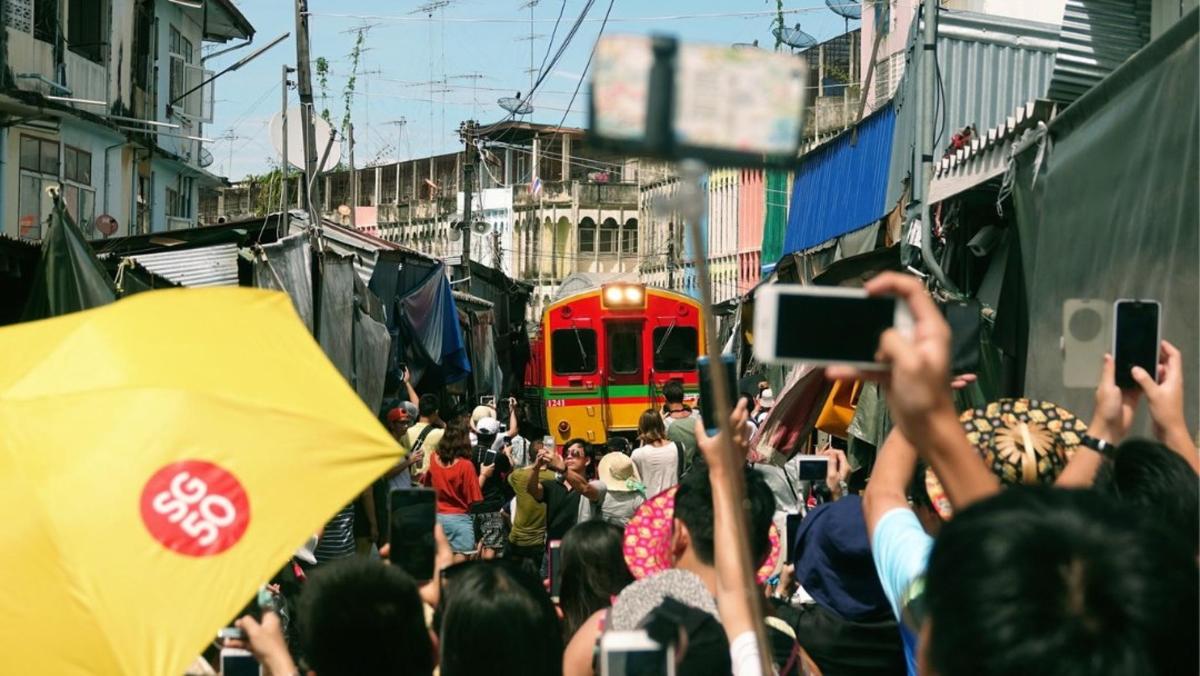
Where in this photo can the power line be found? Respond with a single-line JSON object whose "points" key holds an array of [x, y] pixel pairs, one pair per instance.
{"points": [[588, 65], [628, 19]]}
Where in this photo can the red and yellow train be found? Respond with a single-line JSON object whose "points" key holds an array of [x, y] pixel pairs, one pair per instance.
{"points": [[602, 357]]}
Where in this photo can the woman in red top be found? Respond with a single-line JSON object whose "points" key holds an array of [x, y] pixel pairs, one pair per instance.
{"points": [[453, 476]]}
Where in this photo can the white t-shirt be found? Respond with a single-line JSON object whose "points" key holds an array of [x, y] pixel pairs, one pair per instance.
{"points": [[658, 466]]}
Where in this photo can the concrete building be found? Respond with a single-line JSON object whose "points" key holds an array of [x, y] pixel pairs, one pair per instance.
{"points": [[101, 100]]}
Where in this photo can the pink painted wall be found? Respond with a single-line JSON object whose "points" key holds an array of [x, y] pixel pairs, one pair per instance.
{"points": [[751, 214]]}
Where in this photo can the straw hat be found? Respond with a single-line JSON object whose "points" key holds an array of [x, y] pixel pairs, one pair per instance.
{"points": [[1023, 441], [618, 473]]}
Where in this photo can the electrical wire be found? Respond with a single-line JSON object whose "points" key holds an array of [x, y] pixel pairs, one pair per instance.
{"points": [[586, 66], [628, 19]]}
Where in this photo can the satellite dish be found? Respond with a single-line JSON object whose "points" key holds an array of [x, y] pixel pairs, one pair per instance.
{"points": [[480, 227], [794, 37], [455, 233], [848, 9], [206, 158], [322, 132], [106, 225], [515, 105]]}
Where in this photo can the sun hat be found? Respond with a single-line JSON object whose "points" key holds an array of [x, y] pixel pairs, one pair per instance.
{"points": [[618, 473], [480, 412], [647, 545], [1022, 441], [488, 426]]}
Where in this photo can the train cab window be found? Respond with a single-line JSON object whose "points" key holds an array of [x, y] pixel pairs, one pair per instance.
{"points": [[675, 348], [625, 348], [573, 351]]}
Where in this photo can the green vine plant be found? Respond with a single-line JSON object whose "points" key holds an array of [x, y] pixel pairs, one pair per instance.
{"points": [[322, 68], [348, 92]]}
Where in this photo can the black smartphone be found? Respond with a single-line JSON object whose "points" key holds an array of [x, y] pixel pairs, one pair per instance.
{"points": [[813, 467], [555, 548], [1135, 339], [793, 527], [413, 515], [708, 412], [489, 457]]}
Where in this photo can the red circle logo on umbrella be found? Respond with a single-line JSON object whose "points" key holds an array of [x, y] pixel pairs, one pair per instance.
{"points": [[195, 508]]}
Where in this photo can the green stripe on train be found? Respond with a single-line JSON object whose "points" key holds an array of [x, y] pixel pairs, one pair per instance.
{"points": [[613, 391]]}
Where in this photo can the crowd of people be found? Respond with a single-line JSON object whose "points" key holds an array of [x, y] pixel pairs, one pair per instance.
{"points": [[1011, 539]]}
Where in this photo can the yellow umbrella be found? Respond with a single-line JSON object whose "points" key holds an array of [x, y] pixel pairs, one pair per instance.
{"points": [[160, 458]]}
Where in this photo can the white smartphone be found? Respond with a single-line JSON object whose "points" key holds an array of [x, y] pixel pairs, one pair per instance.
{"points": [[634, 653], [821, 326], [813, 467], [237, 662], [1137, 332]]}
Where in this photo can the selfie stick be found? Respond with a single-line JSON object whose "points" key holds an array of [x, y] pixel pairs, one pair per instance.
{"points": [[693, 203]]}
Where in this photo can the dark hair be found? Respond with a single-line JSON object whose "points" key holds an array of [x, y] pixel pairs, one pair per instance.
{"points": [[672, 391], [498, 620], [455, 443], [651, 427], [428, 405], [359, 616], [588, 455], [694, 507], [1050, 581], [593, 571], [1157, 485]]}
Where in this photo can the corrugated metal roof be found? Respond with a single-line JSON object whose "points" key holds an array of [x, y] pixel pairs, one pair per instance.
{"points": [[203, 266], [988, 154], [1097, 36], [841, 185], [989, 66]]}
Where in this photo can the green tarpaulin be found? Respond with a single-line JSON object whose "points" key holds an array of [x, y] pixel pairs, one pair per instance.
{"points": [[1108, 208], [69, 278]]}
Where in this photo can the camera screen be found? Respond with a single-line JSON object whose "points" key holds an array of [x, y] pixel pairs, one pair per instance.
{"points": [[638, 663], [239, 665], [832, 329]]}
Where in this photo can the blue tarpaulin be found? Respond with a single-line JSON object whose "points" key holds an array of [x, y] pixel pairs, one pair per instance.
{"points": [[429, 318], [842, 186]]}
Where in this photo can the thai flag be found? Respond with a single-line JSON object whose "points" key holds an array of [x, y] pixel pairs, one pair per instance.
{"points": [[535, 186]]}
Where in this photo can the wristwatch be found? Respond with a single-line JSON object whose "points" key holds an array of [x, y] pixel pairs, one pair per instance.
{"points": [[1098, 445], [560, 477]]}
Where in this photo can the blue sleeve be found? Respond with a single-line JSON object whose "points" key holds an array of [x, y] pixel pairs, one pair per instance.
{"points": [[900, 548]]}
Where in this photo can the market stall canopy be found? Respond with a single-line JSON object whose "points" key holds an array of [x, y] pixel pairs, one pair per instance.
{"points": [[69, 277], [157, 466]]}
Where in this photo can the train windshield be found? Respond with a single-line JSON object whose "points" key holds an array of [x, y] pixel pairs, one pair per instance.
{"points": [[574, 351], [675, 348]]}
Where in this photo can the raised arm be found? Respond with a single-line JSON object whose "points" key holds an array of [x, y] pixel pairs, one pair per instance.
{"points": [[918, 394], [1165, 398], [513, 428], [890, 479], [412, 392], [1110, 422], [533, 484]]}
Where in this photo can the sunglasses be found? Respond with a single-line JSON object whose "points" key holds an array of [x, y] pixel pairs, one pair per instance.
{"points": [[576, 453]]}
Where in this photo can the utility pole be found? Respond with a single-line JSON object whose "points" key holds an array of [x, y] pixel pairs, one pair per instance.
{"points": [[312, 192], [283, 165], [467, 131], [925, 147], [353, 178]]}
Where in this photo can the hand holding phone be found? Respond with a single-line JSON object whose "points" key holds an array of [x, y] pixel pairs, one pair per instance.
{"points": [[708, 411], [813, 467]]}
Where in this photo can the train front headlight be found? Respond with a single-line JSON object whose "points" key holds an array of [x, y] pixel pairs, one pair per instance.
{"points": [[613, 295]]}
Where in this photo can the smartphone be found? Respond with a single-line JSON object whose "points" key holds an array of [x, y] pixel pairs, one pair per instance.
{"points": [[489, 401], [548, 443], [1136, 335], [231, 633], [793, 528], [413, 517], [237, 662], [489, 457], [555, 550], [813, 467], [634, 653], [708, 400], [824, 325]]}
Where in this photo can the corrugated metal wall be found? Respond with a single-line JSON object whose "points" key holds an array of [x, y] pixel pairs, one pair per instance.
{"points": [[1097, 36], [842, 185], [202, 266]]}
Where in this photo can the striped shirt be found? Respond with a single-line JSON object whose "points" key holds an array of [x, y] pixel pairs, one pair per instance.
{"points": [[337, 539]]}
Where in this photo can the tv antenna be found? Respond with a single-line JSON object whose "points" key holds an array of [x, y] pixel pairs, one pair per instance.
{"points": [[794, 37], [530, 4], [847, 9]]}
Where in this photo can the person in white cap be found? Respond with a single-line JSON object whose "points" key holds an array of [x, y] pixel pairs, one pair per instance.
{"points": [[493, 462], [764, 402]]}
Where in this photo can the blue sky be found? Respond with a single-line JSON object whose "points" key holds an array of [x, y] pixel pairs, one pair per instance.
{"points": [[481, 48]]}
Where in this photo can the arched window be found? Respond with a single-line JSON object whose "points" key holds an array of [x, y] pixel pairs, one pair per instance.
{"points": [[629, 236], [587, 235], [609, 231]]}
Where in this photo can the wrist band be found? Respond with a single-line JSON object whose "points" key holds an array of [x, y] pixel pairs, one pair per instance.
{"points": [[1098, 445]]}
